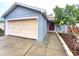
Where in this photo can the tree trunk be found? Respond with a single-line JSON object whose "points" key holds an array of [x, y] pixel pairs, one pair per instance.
{"points": [[69, 28]]}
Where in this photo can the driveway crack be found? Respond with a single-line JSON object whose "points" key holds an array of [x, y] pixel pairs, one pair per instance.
{"points": [[28, 50]]}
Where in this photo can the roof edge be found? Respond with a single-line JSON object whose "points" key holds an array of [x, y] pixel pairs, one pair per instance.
{"points": [[9, 9], [15, 4]]}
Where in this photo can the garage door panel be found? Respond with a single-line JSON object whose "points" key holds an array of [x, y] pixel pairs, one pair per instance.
{"points": [[28, 35], [24, 28]]}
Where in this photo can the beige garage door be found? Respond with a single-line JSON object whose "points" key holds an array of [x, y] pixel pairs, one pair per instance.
{"points": [[23, 28]]}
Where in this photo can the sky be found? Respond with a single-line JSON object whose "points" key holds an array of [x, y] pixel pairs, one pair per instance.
{"points": [[45, 4]]}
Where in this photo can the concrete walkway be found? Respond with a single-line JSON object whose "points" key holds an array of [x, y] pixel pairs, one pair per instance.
{"points": [[14, 46], [54, 46]]}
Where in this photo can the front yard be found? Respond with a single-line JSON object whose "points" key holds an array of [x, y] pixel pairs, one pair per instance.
{"points": [[1, 32]]}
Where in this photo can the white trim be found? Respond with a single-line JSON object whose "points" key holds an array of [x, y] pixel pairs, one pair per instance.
{"points": [[35, 17], [67, 50], [23, 18], [37, 29], [6, 27]]}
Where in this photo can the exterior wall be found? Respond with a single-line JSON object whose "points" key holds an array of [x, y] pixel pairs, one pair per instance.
{"points": [[62, 28], [42, 25], [20, 12]]}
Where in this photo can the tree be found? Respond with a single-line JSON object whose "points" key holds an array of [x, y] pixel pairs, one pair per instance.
{"points": [[58, 15], [68, 15]]}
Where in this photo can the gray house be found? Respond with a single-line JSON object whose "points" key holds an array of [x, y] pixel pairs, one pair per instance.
{"points": [[26, 21]]}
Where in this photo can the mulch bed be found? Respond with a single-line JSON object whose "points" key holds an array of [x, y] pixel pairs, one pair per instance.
{"points": [[71, 42]]}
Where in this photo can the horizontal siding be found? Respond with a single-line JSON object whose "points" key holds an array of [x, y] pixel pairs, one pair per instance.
{"points": [[62, 28], [20, 12], [42, 28]]}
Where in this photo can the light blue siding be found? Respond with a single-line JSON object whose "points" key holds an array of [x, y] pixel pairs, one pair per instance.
{"points": [[42, 28], [20, 12], [62, 28]]}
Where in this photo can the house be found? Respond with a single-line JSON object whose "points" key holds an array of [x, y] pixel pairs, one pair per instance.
{"points": [[53, 27], [26, 21], [51, 24]]}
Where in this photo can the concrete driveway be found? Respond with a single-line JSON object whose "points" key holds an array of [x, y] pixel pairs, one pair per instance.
{"points": [[15, 46]]}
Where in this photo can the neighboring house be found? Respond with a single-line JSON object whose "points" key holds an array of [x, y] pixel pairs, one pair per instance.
{"points": [[26, 21], [51, 24], [53, 27]]}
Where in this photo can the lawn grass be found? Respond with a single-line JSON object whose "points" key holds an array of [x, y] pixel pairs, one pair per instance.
{"points": [[1, 32]]}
